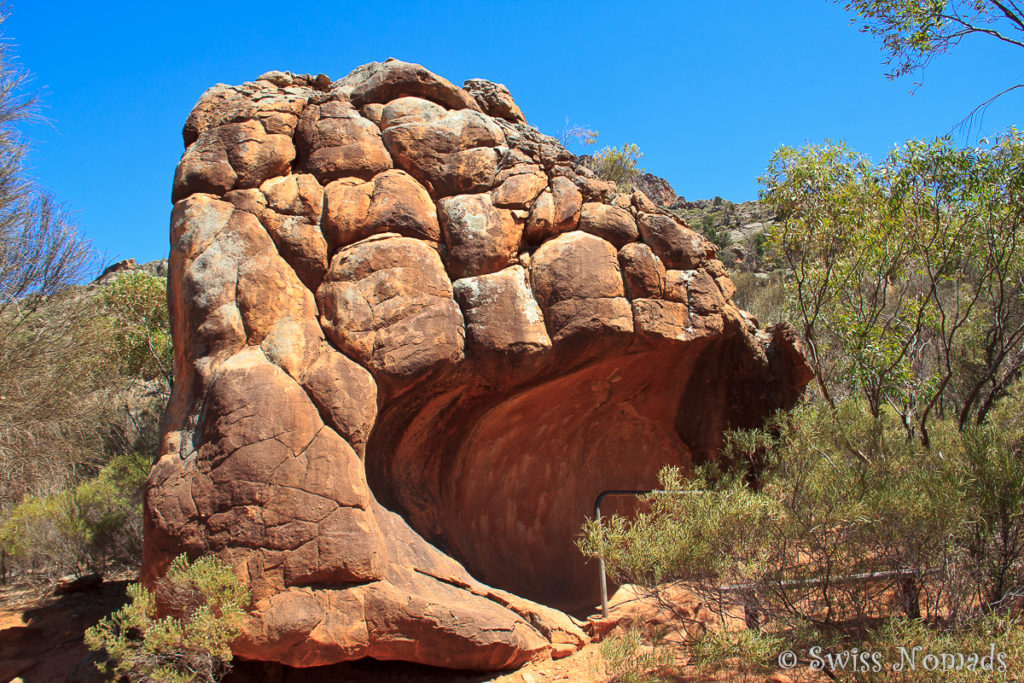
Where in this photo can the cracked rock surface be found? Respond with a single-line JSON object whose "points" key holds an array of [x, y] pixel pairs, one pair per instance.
{"points": [[413, 341]]}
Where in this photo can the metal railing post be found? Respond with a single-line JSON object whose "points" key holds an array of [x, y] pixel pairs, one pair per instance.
{"points": [[600, 559], [906, 579]]}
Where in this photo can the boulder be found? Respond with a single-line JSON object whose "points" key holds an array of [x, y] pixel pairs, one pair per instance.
{"points": [[480, 238], [676, 245], [413, 341], [610, 223], [494, 100], [336, 142], [642, 271], [454, 154]]}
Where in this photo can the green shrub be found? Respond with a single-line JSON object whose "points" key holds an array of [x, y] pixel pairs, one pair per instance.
{"points": [[629, 658], [141, 344], [179, 633], [737, 651], [762, 294], [907, 276], [902, 641], [834, 494], [617, 166], [84, 529]]}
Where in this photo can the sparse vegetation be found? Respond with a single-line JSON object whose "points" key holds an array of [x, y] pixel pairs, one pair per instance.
{"points": [[48, 348], [576, 133], [630, 658], [889, 508], [617, 165], [86, 528], [856, 524], [141, 337]]}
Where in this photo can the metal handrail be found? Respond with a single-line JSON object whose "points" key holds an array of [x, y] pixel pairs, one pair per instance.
{"points": [[597, 518], [740, 587]]}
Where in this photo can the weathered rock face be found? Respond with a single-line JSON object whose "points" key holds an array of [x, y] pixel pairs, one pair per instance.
{"points": [[413, 342]]}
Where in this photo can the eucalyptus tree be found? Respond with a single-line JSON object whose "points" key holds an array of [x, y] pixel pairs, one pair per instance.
{"points": [[907, 275]]}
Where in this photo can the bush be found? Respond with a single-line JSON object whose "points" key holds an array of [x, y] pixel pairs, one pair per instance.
{"points": [[47, 352], [83, 529], [141, 340], [617, 166], [994, 636], [762, 294], [749, 652], [629, 659], [835, 494], [179, 633]]}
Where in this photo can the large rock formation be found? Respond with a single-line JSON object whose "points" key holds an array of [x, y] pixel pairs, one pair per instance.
{"points": [[413, 341]]}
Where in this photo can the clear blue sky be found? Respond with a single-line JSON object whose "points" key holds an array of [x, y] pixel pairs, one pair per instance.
{"points": [[706, 89]]}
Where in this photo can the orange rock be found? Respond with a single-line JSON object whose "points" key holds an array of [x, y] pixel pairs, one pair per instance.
{"points": [[334, 142], [609, 223], [494, 100], [330, 375], [642, 271], [450, 155], [703, 294], [384, 82], [568, 201], [517, 187], [346, 203], [577, 282], [676, 245], [400, 204], [410, 110], [501, 314], [480, 238], [387, 303], [295, 195]]}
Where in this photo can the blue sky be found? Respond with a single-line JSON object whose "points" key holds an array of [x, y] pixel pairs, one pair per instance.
{"points": [[706, 90]]}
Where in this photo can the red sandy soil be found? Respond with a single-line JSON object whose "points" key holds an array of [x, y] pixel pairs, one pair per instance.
{"points": [[41, 633]]}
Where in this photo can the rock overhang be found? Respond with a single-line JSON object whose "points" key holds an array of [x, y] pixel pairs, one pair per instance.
{"points": [[413, 341]]}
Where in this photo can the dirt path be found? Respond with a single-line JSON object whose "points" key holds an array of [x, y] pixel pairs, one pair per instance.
{"points": [[41, 637]]}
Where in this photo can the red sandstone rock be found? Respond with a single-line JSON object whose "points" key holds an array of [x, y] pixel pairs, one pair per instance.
{"points": [[642, 272], [329, 375], [451, 155], [346, 203], [567, 200], [400, 204], [501, 313], [517, 187], [577, 282], [494, 99], [609, 223], [410, 110], [377, 82], [336, 142], [481, 238], [387, 303], [678, 246]]}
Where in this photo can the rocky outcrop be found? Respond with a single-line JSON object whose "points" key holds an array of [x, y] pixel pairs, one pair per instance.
{"points": [[658, 189], [413, 341]]}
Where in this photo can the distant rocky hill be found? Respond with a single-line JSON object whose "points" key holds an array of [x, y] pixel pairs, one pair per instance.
{"points": [[157, 268], [734, 228]]}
